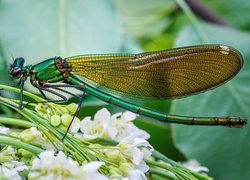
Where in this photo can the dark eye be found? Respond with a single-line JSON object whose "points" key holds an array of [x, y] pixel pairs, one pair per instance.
{"points": [[16, 72]]}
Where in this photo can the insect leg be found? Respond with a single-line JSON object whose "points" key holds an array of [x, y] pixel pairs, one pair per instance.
{"points": [[21, 93], [47, 87], [42, 93], [77, 110], [58, 87], [43, 88]]}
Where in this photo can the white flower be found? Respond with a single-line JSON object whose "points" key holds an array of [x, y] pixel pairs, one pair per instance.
{"points": [[96, 128], [9, 170], [194, 165], [75, 126], [8, 173], [129, 172], [90, 171], [50, 166], [136, 174], [124, 126], [33, 136], [9, 150], [115, 127], [9, 167], [137, 150]]}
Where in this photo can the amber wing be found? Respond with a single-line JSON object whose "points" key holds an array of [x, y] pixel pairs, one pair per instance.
{"points": [[162, 74]]}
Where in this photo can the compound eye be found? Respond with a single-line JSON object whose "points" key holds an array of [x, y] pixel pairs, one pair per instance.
{"points": [[16, 72]]}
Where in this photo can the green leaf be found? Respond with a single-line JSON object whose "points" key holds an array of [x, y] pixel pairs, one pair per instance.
{"points": [[38, 30], [143, 18], [3, 67], [225, 151]]}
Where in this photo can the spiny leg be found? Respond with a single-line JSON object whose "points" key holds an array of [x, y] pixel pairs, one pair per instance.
{"points": [[58, 87], [21, 93], [67, 92], [77, 110], [42, 93], [49, 88], [81, 88], [43, 88]]}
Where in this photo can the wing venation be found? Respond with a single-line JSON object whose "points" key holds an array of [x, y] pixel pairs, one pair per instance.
{"points": [[162, 74]]}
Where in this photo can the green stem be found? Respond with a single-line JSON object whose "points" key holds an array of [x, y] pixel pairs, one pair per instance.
{"points": [[16, 122], [180, 172], [9, 88], [162, 157], [182, 4], [160, 172], [16, 143]]}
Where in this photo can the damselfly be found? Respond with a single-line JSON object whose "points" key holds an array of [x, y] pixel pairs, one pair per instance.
{"points": [[158, 75]]}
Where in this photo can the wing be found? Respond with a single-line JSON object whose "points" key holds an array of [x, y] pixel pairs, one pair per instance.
{"points": [[162, 74]]}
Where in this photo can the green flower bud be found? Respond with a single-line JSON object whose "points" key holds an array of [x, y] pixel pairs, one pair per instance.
{"points": [[55, 120], [126, 168], [27, 136], [66, 119], [26, 154], [71, 108], [5, 159], [63, 128], [25, 160], [14, 134], [115, 171], [114, 157], [64, 110]]}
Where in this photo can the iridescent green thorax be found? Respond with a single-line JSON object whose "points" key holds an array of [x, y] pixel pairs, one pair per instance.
{"points": [[27, 70], [51, 70]]}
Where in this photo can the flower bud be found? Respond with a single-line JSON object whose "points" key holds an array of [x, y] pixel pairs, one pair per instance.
{"points": [[71, 108], [115, 171], [126, 168], [63, 128], [26, 154], [64, 110], [114, 156], [55, 120], [27, 136], [66, 119]]}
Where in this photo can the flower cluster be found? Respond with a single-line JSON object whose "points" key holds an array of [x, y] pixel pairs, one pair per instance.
{"points": [[51, 166], [128, 156], [60, 115], [105, 147], [111, 127], [132, 148], [9, 166], [124, 159]]}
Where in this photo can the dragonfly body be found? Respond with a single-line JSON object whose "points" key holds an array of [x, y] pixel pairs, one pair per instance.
{"points": [[153, 75]]}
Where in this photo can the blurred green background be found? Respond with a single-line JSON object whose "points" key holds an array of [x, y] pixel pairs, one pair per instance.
{"points": [[37, 30]]}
